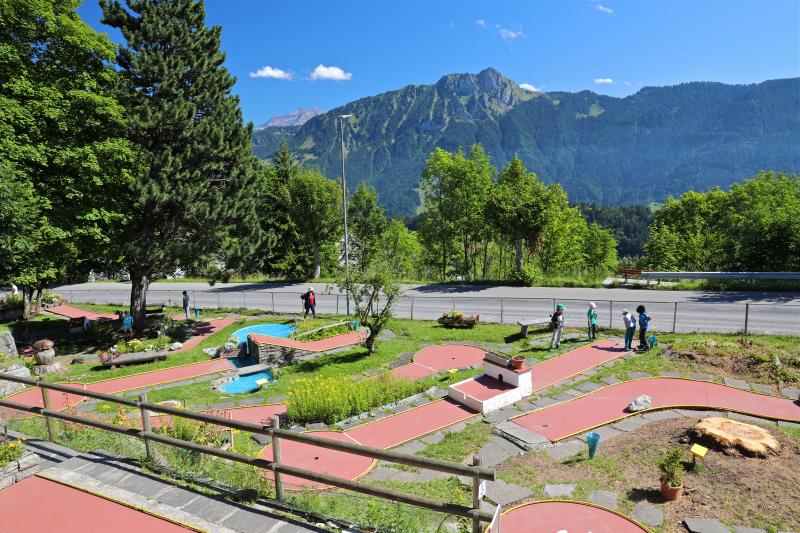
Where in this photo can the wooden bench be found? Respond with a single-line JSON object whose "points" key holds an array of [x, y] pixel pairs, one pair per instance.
{"points": [[154, 310], [136, 358], [525, 324], [630, 272]]}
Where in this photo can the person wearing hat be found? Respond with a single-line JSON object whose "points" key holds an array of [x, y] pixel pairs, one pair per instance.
{"points": [[591, 318], [309, 303], [557, 325], [630, 328]]}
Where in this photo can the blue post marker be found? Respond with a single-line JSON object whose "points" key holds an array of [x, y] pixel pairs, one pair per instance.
{"points": [[592, 439]]}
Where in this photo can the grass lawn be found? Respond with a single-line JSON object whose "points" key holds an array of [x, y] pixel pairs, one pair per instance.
{"points": [[458, 445]]}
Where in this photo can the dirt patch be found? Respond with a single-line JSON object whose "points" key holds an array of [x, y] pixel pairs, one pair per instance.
{"points": [[735, 489]]}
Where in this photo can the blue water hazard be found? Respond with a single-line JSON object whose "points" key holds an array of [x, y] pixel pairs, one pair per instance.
{"points": [[273, 330], [243, 384]]}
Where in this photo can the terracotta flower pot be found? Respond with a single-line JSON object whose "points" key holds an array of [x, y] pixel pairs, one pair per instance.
{"points": [[517, 361], [670, 493]]}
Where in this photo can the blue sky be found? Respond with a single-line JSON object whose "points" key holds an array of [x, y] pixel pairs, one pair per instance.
{"points": [[325, 54]]}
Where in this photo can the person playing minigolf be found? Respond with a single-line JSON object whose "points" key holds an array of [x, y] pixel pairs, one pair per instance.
{"points": [[591, 319], [557, 325], [309, 303], [644, 319], [630, 328]]}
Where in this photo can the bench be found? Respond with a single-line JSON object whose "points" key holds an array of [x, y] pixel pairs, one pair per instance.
{"points": [[525, 324], [136, 358], [630, 272], [154, 310]]}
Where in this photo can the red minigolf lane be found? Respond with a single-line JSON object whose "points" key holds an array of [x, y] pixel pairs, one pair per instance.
{"points": [[322, 345], [69, 510], [434, 359], [609, 404], [574, 362], [335, 463], [397, 429], [75, 312], [205, 330], [573, 517]]}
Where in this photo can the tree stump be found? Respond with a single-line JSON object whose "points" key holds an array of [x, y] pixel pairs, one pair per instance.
{"points": [[750, 439]]}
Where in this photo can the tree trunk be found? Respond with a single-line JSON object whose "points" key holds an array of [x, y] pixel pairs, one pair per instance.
{"points": [[315, 250], [518, 249], [27, 302], [140, 282]]}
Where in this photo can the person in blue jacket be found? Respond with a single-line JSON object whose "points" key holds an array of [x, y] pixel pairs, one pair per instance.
{"points": [[644, 319]]}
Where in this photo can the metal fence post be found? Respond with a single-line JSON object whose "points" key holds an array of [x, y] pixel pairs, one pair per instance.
{"points": [[610, 314], [746, 317], [554, 304], [51, 426], [108, 298], [454, 304], [148, 450], [476, 495], [674, 317], [244, 299], [337, 304], [501, 310], [412, 308], [273, 301], [194, 301], [276, 457]]}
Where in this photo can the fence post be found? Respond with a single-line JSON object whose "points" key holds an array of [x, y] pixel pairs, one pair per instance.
{"points": [[145, 426], [412, 308], [610, 314], [276, 457], [51, 427], [476, 498], [746, 317], [501, 310], [244, 299], [453, 308], [674, 317], [219, 306], [337, 304], [108, 298], [554, 305], [194, 301], [273, 301]]}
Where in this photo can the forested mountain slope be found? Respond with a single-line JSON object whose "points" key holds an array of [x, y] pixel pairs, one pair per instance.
{"points": [[641, 148]]}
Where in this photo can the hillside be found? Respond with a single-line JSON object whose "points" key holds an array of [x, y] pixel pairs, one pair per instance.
{"points": [[607, 150]]}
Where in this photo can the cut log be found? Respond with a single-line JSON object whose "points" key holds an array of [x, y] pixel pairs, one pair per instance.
{"points": [[748, 438]]}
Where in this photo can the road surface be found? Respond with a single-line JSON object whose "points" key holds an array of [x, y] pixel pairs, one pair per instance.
{"points": [[682, 311]]}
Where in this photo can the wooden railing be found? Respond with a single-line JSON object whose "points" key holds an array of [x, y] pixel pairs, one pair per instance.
{"points": [[475, 472]]}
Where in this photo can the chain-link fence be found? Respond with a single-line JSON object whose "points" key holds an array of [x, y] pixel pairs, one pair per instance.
{"points": [[714, 317]]}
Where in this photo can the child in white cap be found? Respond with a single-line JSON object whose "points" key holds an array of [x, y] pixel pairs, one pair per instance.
{"points": [[591, 318], [630, 328]]}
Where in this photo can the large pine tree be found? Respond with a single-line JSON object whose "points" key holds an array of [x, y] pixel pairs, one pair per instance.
{"points": [[195, 180]]}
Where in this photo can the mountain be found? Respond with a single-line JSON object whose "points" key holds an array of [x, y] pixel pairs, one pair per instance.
{"points": [[296, 118], [611, 151]]}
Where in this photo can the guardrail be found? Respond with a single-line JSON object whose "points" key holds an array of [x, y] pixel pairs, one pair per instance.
{"points": [[677, 317], [475, 472], [776, 276]]}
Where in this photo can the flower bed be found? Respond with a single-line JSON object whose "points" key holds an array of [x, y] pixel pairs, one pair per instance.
{"points": [[16, 463], [457, 319]]}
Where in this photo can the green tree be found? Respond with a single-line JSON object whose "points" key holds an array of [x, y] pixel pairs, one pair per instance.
{"points": [[600, 250], [402, 252], [455, 188], [374, 294], [316, 208], [563, 238], [661, 249], [519, 207], [367, 222], [63, 161], [195, 175]]}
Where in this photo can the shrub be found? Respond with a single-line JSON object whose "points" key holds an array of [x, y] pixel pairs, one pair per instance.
{"points": [[10, 451], [140, 345], [306, 326], [671, 466], [10, 302], [333, 399]]}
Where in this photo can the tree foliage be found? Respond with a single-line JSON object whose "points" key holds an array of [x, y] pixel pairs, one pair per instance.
{"points": [[366, 224], [374, 294]]}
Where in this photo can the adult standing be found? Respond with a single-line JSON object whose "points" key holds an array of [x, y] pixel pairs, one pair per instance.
{"points": [[186, 304], [557, 325], [591, 319], [14, 290], [309, 302], [644, 319], [630, 328]]}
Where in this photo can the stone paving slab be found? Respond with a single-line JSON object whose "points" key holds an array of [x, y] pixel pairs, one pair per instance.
{"points": [[144, 485], [589, 386], [786, 424], [544, 402], [648, 514], [632, 423], [751, 419], [211, 509], [498, 450], [605, 432], [666, 414], [604, 498], [791, 393], [501, 415], [177, 497], [705, 525], [745, 529], [610, 380], [559, 490], [736, 383], [564, 450], [700, 376], [574, 393], [563, 397], [504, 493], [698, 413], [639, 375], [764, 389], [667, 374], [520, 436]]}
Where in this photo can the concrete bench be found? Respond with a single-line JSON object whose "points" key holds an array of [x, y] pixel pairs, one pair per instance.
{"points": [[525, 324], [136, 358]]}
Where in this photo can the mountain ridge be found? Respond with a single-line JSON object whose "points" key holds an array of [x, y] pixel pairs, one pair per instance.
{"points": [[666, 139]]}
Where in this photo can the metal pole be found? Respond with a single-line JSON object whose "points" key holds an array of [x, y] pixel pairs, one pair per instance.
{"points": [[276, 457], [244, 299], [51, 426], [219, 306], [476, 498], [454, 304], [337, 304], [674, 317], [146, 427], [746, 317], [412, 308], [273, 301], [610, 314], [344, 209], [501, 310]]}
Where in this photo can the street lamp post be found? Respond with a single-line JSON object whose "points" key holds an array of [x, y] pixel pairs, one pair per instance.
{"points": [[344, 204]]}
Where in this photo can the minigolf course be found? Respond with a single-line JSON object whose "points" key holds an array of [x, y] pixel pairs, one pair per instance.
{"points": [[572, 517], [610, 404]]}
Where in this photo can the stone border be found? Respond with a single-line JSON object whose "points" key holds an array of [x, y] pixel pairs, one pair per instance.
{"points": [[15, 471]]}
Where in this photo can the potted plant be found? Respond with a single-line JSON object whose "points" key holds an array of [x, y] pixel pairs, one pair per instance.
{"points": [[671, 466], [517, 362]]}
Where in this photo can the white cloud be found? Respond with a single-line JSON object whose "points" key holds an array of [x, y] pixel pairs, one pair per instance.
{"points": [[330, 73], [509, 35], [480, 23], [604, 9], [603, 81], [530, 88], [271, 72]]}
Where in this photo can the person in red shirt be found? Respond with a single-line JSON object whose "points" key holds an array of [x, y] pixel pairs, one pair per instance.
{"points": [[309, 302]]}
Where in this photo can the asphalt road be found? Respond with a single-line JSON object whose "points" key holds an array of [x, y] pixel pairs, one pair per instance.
{"points": [[767, 312]]}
